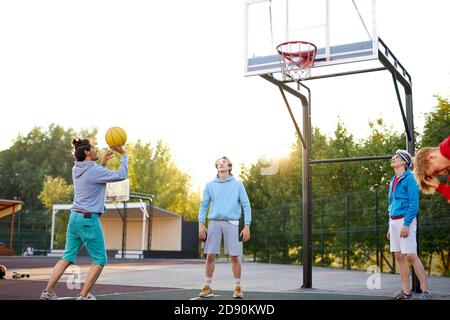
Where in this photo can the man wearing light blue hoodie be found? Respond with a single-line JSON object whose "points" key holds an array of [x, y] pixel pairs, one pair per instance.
{"points": [[225, 196], [84, 228]]}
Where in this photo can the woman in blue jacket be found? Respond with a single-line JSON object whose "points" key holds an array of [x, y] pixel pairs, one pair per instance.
{"points": [[403, 208]]}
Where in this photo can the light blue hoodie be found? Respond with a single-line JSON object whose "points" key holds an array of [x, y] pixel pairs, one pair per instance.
{"points": [[89, 181], [226, 197]]}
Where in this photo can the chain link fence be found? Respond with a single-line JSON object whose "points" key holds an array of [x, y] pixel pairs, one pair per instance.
{"points": [[348, 231], [30, 228]]}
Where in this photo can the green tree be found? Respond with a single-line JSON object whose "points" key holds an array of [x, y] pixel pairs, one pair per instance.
{"points": [[27, 168], [152, 170], [56, 191], [344, 199], [437, 124], [31, 157], [23, 167]]}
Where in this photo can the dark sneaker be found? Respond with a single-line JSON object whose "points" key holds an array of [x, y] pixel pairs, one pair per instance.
{"points": [[426, 295], [402, 295]]}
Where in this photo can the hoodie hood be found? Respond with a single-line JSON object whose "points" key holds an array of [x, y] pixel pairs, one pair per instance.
{"points": [[80, 167], [230, 178]]}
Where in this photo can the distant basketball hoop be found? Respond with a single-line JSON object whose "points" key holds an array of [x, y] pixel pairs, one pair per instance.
{"points": [[297, 58], [118, 191]]}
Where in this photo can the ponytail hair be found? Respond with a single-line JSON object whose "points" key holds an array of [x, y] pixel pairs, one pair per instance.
{"points": [[81, 145]]}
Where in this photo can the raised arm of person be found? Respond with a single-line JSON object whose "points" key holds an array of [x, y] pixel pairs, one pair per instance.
{"points": [[104, 175], [442, 188]]}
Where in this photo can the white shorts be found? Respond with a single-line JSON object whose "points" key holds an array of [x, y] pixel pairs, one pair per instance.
{"points": [[399, 244]]}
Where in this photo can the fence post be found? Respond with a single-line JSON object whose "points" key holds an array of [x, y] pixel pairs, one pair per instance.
{"points": [[393, 263], [347, 233], [321, 233], [19, 240], [377, 231], [285, 238], [46, 232], [268, 239], [301, 230], [253, 245]]}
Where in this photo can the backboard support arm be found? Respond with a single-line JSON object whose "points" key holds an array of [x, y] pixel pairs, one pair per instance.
{"points": [[306, 173]]}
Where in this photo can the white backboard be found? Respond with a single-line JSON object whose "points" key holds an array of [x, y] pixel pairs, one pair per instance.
{"points": [[343, 30], [118, 191]]}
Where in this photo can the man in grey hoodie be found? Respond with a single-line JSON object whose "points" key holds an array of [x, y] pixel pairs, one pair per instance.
{"points": [[84, 228]]}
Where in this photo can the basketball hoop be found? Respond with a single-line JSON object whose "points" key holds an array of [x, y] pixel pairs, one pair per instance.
{"points": [[118, 191], [297, 59]]}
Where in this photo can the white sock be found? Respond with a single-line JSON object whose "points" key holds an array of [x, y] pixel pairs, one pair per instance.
{"points": [[237, 282], [208, 281]]}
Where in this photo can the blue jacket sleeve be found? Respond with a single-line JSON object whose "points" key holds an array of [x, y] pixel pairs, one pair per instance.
{"points": [[245, 202], [104, 175], [413, 201], [389, 202], [206, 200]]}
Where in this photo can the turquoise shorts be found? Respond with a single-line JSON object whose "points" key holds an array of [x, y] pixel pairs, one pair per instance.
{"points": [[88, 231]]}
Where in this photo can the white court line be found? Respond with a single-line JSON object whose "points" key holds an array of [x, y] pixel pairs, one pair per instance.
{"points": [[111, 294], [218, 295], [124, 293], [197, 298], [337, 293]]}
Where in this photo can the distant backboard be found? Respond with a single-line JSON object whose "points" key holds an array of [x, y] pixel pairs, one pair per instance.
{"points": [[343, 30], [118, 191]]}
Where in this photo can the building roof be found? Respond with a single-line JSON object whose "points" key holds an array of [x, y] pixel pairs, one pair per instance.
{"points": [[7, 207], [134, 210]]}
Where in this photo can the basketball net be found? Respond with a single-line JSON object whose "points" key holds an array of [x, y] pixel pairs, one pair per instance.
{"points": [[297, 58]]}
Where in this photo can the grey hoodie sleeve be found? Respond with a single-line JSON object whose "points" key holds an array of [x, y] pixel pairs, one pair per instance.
{"points": [[104, 175]]}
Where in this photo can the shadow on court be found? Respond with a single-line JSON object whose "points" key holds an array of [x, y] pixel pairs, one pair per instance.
{"points": [[178, 279], [192, 294], [31, 290]]}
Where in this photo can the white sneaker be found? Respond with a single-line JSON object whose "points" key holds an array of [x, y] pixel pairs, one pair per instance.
{"points": [[90, 296], [48, 296]]}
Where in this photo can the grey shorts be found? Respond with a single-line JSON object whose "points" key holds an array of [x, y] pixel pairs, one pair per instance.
{"points": [[214, 237]]}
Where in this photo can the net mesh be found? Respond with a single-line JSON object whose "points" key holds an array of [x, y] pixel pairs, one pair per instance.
{"points": [[297, 58]]}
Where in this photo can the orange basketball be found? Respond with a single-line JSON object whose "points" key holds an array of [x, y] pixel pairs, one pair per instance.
{"points": [[115, 136]]}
